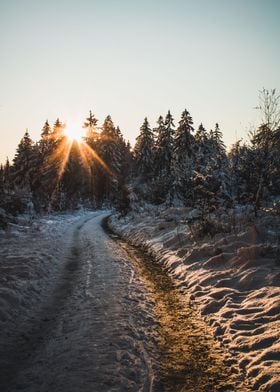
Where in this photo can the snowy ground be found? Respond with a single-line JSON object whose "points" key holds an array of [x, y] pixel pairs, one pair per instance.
{"points": [[80, 310], [232, 278], [29, 252], [68, 310]]}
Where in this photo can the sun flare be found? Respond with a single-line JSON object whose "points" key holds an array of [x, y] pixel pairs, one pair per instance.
{"points": [[74, 133]]}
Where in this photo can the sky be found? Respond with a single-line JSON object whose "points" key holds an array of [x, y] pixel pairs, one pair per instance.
{"points": [[132, 59]]}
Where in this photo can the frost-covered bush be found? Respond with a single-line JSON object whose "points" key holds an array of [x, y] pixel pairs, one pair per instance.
{"points": [[205, 226]]}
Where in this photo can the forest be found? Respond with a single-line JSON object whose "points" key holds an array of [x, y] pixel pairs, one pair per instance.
{"points": [[175, 166]]}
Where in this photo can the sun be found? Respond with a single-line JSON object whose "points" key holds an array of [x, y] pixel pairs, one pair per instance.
{"points": [[74, 133]]}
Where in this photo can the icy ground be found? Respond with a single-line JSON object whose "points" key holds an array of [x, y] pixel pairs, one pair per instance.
{"points": [[233, 279]]}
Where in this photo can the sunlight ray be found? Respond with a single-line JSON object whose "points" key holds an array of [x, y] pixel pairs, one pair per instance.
{"points": [[63, 151], [65, 157], [97, 158], [85, 160]]}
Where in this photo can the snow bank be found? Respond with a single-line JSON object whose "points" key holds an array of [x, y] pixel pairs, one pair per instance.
{"points": [[232, 278]]}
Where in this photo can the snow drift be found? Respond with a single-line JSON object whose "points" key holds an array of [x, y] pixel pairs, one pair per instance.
{"points": [[233, 278]]}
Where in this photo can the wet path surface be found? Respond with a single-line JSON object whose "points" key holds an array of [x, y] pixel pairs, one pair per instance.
{"points": [[112, 322]]}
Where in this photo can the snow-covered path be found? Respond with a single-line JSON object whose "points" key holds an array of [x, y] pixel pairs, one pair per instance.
{"points": [[80, 332], [97, 320]]}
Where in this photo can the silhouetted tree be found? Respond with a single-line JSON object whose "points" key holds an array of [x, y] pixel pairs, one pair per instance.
{"points": [[23, 163], [144, 152], [163, 157], [183, 156]]}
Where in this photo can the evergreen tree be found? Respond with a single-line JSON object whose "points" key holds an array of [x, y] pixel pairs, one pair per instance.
{"points": [[201, 135], [203, 150], [23, 163], [7, 175], [218, 168], [90, 125], [58, 131], [48, 155], [46, 131], [240, 158], [92, 140], [210, 180], [126, 157], [144, 152], [164, 145], [182, 162], [218, 148], [163, 158], [72, 186], [110, 151], [46, 139]]}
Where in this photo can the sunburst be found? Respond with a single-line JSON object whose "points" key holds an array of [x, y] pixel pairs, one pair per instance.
{"points": [[62, 152], [74, 133]]}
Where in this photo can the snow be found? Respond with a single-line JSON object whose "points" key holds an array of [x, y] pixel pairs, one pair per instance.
{"points": [[233, 279], [30, 253], [74, 313]]}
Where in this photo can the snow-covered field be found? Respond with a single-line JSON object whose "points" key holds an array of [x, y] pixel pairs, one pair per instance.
{"points": [[232, 278]]}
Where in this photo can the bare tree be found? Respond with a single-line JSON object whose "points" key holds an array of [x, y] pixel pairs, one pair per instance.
{"points": [[269, 107], [263, 139]]}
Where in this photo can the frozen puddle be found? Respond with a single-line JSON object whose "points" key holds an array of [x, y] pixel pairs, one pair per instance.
{"points": [[81, 311]]}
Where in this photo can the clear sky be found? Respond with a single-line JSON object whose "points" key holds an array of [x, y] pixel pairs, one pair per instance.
{"points": [[131, 59]]}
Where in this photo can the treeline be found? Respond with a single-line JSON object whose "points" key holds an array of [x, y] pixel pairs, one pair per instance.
{"points": [[179, 166], [169, 164], [58, 174]]}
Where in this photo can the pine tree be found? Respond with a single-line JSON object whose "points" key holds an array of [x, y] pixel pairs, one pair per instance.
{"points": [[46, 131], [92, 140], [217, 168], [46, 138], [46, 167], [201, 135], [22, 175], [108, 152], [217, 146], [90, 125], [203, 150], [72, 186], [240, 158], [7, 175], [164, 145], [144, 152], [163, 158], [126, 156], [58, 131], [23, 163], [182, 162]]}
